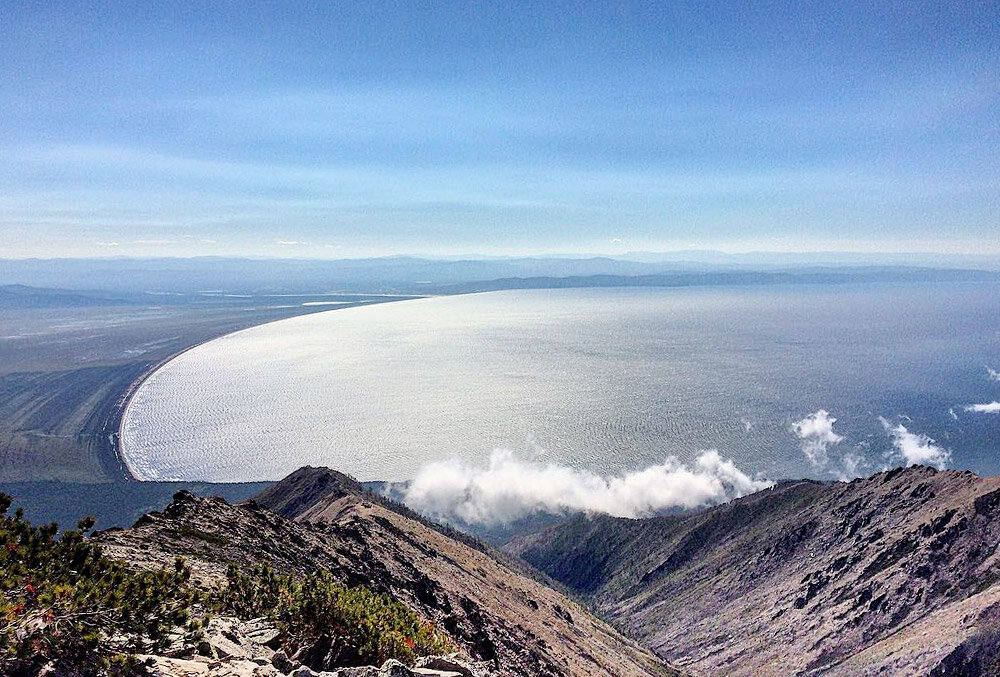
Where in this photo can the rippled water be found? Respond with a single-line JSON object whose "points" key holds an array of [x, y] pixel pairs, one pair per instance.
{"points": [[607, 379]]}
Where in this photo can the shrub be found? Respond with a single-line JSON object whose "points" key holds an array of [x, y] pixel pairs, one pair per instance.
{"points": [[66, 607], [64, 604], [329, 624]]}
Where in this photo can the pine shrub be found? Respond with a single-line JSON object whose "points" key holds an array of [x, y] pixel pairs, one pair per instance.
{"points": [[327, 623], [64, 605]]}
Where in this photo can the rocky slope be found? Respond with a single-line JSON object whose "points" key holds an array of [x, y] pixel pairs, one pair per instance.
{"points": [[894, 574], [235, 648], [502, 618]]}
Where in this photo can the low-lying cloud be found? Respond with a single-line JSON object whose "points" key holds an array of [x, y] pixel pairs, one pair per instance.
{"points": [[988, 408], [915, 448], [816, 436], [509, 488]]}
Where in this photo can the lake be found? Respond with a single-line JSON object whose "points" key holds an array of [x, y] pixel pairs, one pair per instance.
{"points": [[609, 380]]}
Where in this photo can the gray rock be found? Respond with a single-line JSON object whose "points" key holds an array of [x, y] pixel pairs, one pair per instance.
{"points": [[262, 631], [393, 668], [446, 664], [302, 671], [206, 649], [282, 662], [364, 671]]}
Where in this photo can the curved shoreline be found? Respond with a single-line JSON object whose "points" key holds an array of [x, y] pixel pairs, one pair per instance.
{"points": [[115, 441], [114, 422]]}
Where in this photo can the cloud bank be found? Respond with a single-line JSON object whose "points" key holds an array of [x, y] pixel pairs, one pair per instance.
{"points": [[509, 488], [915, 448], [988, 408], [816, 436]]}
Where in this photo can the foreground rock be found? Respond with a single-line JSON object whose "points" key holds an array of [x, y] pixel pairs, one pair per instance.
{"points": [[162, 666], [505, 622], [891, 575]]}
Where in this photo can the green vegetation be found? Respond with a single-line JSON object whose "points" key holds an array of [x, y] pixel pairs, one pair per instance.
{"points": [[63, 603], [317, 612], [66, 606]]}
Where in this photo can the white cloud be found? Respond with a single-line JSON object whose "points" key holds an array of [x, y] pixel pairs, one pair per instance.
{"points": [[816, 435], [853, 464], [988, 408], [290, 243], [995, 375], [510, 488], [915, 448]]}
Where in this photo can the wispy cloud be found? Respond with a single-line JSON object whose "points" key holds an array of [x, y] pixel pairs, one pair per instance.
{"points": [[816, 436], [916, 448], [509, 488], [988, 408], [995, 375]]}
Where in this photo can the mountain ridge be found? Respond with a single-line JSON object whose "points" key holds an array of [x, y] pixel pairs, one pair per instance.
{"points": [[492, 612], [803, 578]]}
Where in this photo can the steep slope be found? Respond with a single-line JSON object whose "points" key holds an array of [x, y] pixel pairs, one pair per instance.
{"points": [[491, 611], [894, 574]]}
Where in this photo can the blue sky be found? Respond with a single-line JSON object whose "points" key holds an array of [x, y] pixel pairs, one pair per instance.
{"points": [[326, 129]]}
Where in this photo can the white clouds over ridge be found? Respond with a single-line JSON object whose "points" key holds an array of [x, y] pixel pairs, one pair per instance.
{"points": [[816, 434], [509, 488], [915, 448]]}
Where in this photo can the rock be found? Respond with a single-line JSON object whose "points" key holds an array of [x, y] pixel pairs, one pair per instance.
{"points": [[364, 671], [446, 664], [263, 632], [226, 641], [302, 671], [393, 668], [205, 648], [282, 662], [199, 667]]}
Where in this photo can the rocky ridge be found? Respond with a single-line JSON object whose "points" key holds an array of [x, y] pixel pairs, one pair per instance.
{"points": [[504, 621], [893, 574]]}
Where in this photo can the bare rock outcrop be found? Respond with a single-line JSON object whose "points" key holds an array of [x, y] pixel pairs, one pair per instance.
{"points": [[504, 621], [893, 574]]}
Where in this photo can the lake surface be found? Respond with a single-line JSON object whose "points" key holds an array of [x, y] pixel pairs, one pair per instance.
{"points": [[605, 379]]}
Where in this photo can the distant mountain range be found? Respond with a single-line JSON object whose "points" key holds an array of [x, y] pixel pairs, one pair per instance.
{"points": [[64, 278], [23, 296]]}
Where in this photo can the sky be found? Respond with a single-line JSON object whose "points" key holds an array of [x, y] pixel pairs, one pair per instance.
{"points": [[340, 129]]}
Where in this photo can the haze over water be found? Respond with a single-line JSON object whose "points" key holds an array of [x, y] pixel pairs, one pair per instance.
{"points": [[607, 380]]}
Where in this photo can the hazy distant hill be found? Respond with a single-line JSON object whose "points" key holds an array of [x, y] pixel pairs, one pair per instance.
{"points": [[292, 275], [733, 278], [411, 274], [23, 296]]}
